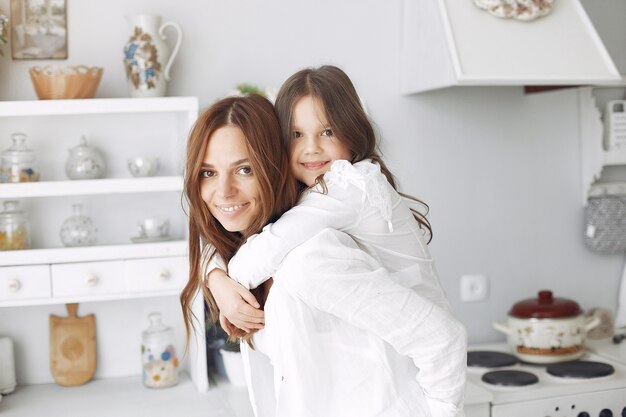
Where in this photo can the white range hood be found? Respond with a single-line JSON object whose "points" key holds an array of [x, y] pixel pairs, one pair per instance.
{"points": [[454, 43]]}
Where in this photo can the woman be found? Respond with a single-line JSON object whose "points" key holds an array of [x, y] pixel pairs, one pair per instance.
{"points": [[343, 336]]}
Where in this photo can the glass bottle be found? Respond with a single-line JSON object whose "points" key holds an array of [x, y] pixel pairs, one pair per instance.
{"points": [[18, 163], [14, 227], [78, 230], [160, 363]]}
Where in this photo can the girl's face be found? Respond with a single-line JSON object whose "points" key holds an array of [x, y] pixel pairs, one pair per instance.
{"points": [[314, 146], [227, 185]]}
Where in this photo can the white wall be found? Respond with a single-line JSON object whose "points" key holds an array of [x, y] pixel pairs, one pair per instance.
{"points": [[499, 169]]}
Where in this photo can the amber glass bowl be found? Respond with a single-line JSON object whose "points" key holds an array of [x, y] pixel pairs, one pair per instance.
{"points": [[65, 82]]}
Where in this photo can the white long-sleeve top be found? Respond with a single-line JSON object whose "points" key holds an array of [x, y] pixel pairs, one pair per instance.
{"points": [[345, 339], [360, 202]]}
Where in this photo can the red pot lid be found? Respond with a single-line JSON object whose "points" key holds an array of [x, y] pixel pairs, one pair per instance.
{"points": [[545, 307]]}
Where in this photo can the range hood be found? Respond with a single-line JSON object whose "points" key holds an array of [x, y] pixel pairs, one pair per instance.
{"points": [[454, 43]]}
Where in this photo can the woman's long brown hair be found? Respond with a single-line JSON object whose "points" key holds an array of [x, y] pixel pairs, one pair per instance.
{"points": [[345, 114], [278, 190]]}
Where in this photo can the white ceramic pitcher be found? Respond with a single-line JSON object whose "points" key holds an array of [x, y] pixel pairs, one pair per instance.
{"points": [[147, 57]]}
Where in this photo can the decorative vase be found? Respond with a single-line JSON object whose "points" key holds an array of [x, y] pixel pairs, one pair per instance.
{"points": [[147, 57], [78, 230]]}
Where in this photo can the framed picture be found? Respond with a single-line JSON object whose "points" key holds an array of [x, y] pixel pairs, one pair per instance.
{"points": [[38, 29]]}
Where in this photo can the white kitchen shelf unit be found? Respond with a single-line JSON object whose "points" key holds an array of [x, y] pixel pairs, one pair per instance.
{"points": [[114, 270]]}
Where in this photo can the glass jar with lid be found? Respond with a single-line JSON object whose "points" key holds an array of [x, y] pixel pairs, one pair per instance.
{"points": [[160, 363], [18, 163], [14, 227]]}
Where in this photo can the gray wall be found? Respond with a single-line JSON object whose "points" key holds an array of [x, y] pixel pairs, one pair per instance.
{"points": [[500, 170]]}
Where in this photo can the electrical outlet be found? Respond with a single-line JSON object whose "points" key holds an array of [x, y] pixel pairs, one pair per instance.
{"points": [[474, 288]]}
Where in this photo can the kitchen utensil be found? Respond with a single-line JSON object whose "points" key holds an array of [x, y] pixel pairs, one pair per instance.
{"points": [[160, 363], [84, 162], [78, 230], [65, 82], [14, 227], [143, 167], [72, 347], [18, 163], [7, 366], [547, 329]]}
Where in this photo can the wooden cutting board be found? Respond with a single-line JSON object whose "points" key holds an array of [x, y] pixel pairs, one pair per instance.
{"points": [[72, 347]]}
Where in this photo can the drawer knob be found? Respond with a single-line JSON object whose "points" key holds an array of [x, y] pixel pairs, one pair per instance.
{"points": [[14, 285], [92, 280], [165, 275]]}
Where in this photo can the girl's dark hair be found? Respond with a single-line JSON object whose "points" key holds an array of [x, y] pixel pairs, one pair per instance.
{"points": [[345, 114], [278, 190]]}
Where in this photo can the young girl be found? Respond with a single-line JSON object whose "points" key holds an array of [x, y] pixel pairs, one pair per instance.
{"points": [[333, 153]]}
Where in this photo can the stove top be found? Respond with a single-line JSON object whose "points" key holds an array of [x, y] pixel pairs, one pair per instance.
{"points": [[509, 380]]}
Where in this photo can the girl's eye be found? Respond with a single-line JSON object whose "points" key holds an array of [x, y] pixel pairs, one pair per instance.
{"points": [[245, 170], [295, 134], [327, 132], [206, 174]]}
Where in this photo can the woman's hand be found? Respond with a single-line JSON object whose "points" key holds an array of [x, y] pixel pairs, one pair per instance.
{"points": [[238, 307]]}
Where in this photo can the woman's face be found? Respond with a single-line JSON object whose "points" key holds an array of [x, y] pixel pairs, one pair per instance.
{"points": [[227, 185]]}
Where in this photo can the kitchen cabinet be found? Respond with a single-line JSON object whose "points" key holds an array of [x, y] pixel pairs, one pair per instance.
{"points": [[113, 270], [454, 43]]}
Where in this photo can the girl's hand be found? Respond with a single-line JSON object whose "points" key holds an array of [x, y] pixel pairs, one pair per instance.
{"points": [[236, 304]]}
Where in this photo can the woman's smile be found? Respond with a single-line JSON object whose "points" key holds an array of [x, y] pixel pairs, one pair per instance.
{"points": [[232, 209]]}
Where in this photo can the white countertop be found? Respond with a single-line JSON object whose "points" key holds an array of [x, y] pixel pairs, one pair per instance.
{"points": [[608, 349], [126, 397]]}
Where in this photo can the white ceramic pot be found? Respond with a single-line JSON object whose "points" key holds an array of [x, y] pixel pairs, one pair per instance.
{"points": [[547, 329]]}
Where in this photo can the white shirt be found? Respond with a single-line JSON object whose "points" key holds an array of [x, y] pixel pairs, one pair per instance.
{"points": [[360, 202], [346, 340]]}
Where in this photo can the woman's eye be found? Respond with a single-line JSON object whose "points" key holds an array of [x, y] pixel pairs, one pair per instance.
{"points": [[295, 134], [327, 132], [206, 174], [245, 170]]}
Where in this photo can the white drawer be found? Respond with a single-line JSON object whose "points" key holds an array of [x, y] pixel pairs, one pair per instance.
{"points": [[87, 278], [156, 274], [24, 282]]}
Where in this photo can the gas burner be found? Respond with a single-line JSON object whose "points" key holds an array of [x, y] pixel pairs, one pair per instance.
{"points": [[510, 378], [490, 359], [580, 369]]}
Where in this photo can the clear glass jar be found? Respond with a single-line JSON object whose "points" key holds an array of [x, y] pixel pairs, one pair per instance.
{"points": [[84, 162], [18, 163], [14, 227], [78, 230], [160, 363]]}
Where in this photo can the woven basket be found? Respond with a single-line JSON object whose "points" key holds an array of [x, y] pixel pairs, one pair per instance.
{"points": [[56, 82]]}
